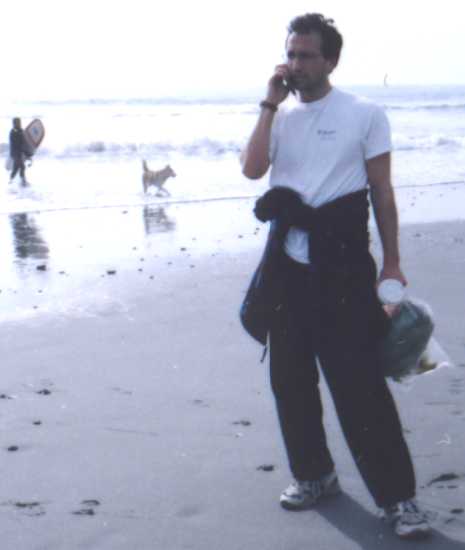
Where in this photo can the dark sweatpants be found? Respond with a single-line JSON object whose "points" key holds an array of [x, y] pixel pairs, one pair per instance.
{"points": [[364, 404], [18, 166]]}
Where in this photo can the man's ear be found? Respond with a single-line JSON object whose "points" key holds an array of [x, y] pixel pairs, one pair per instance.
{"points": [[331, 64]]}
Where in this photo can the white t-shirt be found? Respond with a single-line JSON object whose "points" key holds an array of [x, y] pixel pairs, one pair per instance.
{"points": [[319, 149]]}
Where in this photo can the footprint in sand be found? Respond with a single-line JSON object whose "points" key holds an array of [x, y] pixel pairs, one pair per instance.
{"points": [[200, 403], [456, 386], [242, 423], [122, 391], [266, 468], [88, 508], [31, 508], [188, 512], [442, 479]]}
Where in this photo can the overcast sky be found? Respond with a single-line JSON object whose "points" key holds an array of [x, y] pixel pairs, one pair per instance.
{"points": [[153, 48]]}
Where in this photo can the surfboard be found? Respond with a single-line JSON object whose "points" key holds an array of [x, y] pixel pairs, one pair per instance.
{"points": [[33, 135]]}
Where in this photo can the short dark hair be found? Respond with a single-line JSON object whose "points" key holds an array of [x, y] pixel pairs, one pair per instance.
{"points": [[331, 38]]}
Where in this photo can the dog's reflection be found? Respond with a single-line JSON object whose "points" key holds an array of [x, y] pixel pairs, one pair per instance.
{"points": [[27, 240], [156, 220]]}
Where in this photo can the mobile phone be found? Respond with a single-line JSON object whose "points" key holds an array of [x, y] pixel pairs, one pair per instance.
{"points": [[290, 85]]}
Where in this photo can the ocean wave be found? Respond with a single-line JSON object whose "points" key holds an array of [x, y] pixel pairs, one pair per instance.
{"points": [[395, 98], [202, 147], [211, 148], [238, 100], [216, 149], [425, 107], [407, 143]]}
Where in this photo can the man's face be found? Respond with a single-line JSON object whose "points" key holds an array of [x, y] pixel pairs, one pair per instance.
{"points": [[309, 69]]}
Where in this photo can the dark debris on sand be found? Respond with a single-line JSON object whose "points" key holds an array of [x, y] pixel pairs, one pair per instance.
{"points": [[88, 509], [26, 504], [266, 468], [91, 502], [444, 477], [84, 512]]}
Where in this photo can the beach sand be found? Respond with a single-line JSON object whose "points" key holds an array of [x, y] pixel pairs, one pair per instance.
{"points": [[136, 413]]}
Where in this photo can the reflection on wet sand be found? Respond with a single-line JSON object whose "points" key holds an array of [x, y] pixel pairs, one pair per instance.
{"points": [[156, 220], [27, 240]]}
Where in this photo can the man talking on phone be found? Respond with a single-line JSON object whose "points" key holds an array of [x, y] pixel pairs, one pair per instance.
{"points": [[329, 152]]}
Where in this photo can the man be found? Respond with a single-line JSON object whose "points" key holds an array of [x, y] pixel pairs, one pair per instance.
{"points": [[17, 151], [318, 279]]}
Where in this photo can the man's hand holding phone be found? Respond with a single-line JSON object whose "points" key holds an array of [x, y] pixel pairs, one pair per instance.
{"points": [[279, 85]]}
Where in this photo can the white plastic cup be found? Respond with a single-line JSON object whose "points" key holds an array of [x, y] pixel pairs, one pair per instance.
{"points": [[391, 292]]}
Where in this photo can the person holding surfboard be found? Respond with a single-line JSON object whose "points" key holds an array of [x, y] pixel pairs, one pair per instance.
{"points": [[17, 151]]}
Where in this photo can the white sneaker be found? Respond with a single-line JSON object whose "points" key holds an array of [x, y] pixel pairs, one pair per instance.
{"points": [[407, 520], [301, 495]]}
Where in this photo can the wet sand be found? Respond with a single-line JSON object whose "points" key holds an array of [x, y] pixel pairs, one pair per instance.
{"points": [[136, 413]]}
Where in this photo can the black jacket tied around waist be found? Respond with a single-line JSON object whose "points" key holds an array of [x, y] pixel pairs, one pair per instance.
{"points": [[342, 266]]}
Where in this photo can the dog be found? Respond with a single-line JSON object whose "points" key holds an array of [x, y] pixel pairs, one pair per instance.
{"points": [[157, 178]]}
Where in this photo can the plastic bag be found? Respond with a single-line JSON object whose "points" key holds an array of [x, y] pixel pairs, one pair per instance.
{"points": [[8, 163], [403, 347], [433, 358]]}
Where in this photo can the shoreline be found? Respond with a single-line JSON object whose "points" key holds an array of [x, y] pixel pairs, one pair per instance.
{"points": [[85, 248], [417, 203]]}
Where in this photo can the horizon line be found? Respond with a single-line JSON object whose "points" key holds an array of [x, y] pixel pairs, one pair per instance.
{"points": [[206, 95]]}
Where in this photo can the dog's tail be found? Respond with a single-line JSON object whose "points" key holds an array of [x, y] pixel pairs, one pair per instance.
{"points": [[144, 165]]}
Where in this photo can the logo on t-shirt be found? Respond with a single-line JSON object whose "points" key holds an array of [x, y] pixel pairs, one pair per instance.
{"points": [[326, 134]]}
